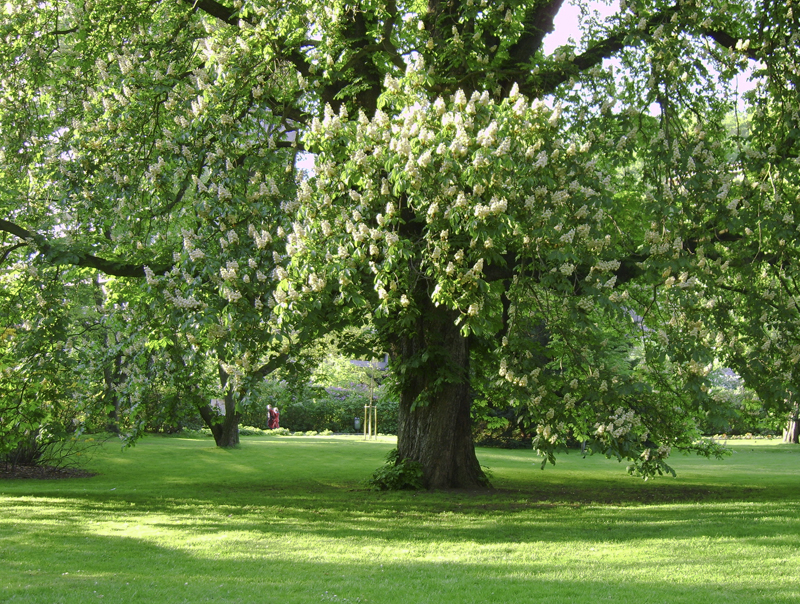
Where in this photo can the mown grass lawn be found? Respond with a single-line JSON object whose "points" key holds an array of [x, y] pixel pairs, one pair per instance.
{"points": [[286, 519]]}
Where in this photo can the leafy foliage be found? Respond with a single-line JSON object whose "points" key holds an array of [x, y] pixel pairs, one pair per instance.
{"points": [[315, 408], [397, 474], [475, 200]]}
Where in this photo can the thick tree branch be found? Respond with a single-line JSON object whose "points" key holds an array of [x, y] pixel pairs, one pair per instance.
{"points": [[512, 265], [10, 249], [388, 29], [64, 32], [728, 41], [215, 9], [504, 271], [293, 55], [538, 22], [270, 366], [77, 257], [547, 81], [360, 69], [18, 231]]}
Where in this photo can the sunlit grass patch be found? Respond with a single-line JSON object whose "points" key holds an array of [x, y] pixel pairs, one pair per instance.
{"points": [[289, 520]]}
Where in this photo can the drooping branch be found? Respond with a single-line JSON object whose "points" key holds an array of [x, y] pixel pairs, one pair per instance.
{"points": [[77, 257]]}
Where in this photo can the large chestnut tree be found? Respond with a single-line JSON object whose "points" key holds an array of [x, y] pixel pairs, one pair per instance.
{"points": [[579, 233]]}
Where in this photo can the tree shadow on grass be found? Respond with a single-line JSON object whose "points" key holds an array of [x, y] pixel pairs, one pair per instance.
{"points": [[433, 518], [85, 566]]}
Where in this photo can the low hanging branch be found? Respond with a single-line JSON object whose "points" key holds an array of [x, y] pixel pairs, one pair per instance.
{"points": [[58, 254]]}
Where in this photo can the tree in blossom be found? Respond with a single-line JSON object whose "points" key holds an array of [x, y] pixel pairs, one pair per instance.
{"points": [[492, 210]]}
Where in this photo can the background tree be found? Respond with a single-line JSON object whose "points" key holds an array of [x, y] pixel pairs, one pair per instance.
{"points": [[167, 162]]}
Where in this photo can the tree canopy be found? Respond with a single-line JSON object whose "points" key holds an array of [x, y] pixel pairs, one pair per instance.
{"points": [[577, 235]]}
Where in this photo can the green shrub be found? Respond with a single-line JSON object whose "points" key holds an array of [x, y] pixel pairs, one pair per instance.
{"points": [[397, 475], [198, 431], [387, 415], [743, 413], [252, 431], [334, 409], [312, 408]]}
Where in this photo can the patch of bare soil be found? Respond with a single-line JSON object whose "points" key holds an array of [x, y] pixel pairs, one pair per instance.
{"points": [[42, 472]]}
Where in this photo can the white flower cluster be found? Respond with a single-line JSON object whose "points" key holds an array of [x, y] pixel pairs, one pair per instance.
{"points": [[183, 302], [415, 159], [150, 276], [495, 207], [621, 423], [547, 432], [229, 271], [316, 283], [262, 238], [607, 265], [231, 295]]}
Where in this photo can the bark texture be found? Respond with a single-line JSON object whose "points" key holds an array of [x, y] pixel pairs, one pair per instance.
{"points": [[792, 432], [228, 433], [225, 428], [434, 423]]}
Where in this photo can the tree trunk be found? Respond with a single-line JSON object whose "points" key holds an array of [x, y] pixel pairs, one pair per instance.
{"points": [[111, 376], [229, 435], [792, 432], [225, 429], [113, 370], [434, 423]]}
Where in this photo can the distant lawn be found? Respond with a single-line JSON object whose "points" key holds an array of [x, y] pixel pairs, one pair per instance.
{"points": [[286, 519]]}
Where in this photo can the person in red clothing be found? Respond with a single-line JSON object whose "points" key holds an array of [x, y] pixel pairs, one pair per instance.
{"points": [[273, 417]]}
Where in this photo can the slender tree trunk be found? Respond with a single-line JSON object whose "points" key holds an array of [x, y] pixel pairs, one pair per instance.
{"points": [[225, 428], [792, 432], [434, 423], [111, 376], [112, 370], [228, 433]]}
